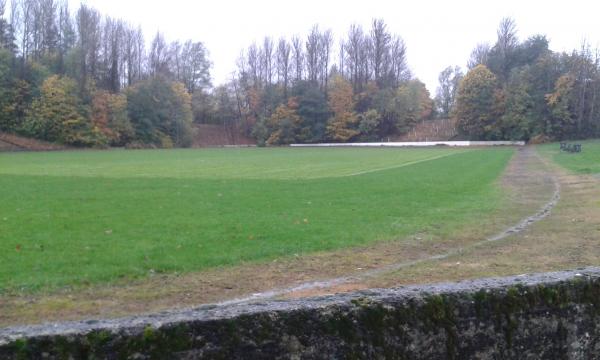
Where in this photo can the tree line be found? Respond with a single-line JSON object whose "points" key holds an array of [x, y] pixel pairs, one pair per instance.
{"points": [[302, 90], [85, 79], [521, 90], [308, 90]]}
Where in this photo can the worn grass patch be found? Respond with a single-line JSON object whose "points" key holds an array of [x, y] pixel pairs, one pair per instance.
{"points": [[78, 218], [567, 239]]}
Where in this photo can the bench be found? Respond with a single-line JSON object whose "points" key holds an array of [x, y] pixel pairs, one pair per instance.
{"points": [[570, 148]]}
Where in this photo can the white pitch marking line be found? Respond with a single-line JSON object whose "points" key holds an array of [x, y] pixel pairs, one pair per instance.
{"points": [[402, 165]]}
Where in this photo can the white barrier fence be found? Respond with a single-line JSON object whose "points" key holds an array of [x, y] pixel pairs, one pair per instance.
{"points": [[419, 144]]}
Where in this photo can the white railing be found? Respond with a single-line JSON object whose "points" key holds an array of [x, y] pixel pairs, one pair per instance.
{"points": [[418, 144]]}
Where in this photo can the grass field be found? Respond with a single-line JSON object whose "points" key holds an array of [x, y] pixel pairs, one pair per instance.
{"points": [[586, 162], [78, 218]]}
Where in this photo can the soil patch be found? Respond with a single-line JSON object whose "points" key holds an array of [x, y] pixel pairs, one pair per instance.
{"points": [[11, 142]]}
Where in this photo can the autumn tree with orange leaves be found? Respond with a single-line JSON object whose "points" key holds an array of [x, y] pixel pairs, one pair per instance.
{"points": [[343, 126]]}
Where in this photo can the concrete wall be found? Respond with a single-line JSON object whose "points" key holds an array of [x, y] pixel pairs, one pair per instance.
{"points": [[544, 316], [419, 144]]}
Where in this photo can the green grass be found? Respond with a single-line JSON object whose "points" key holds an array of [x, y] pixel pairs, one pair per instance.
{"points": [[586, 162], [280, 164], [74, 218]]}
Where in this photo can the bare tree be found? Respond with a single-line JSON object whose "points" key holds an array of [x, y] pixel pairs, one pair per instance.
{"points": [[88, 29], [365, 61], [176, 60], [140, 51], [298, 57], [313, 44], [14, 21], [130, 56], [66, 35], [111, 54], [326, 44], [49, 23], [449, 80], [353, 47], [159, 57], [195, 67], [380, 39], [25, 28], [507, 36], [505, 48], [284, 51], [399, 64], [267, 59], [254, 65], [342, 55], [479, 55]]}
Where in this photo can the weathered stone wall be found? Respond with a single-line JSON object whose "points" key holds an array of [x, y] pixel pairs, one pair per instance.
{"points": [[544, 316]]}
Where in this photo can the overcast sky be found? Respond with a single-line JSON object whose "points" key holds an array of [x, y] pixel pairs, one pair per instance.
{"points": [[437, 33]]}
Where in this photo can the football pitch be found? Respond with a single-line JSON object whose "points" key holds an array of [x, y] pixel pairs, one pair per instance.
{"points": [[71, 219]]}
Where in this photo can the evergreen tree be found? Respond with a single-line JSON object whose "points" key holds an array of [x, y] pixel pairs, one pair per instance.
{"points": [[562, 108], [313, 110], [8, 121], [517, 121], [161, 112]]}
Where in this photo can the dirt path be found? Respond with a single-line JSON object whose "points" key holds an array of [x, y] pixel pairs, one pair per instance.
{"points": [[528, 177], [567, 238], [529, 185]]}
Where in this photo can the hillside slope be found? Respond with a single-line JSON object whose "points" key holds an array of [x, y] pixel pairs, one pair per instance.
{"points": [[219, 135], [433, 130], [11, 142]]}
